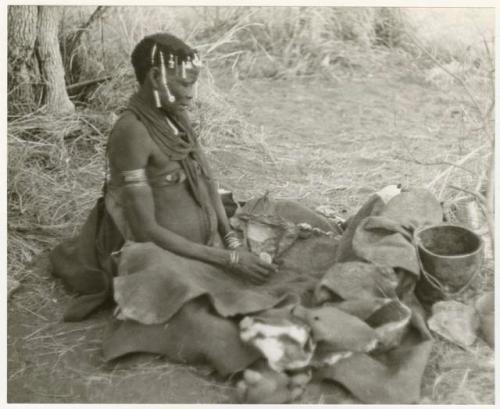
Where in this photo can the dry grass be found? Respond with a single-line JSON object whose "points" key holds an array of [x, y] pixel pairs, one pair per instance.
{"points": [[459, 377], [429, 134], [54, 174]]}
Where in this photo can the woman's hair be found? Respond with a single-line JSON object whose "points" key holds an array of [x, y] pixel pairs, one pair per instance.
{"points": [[166, 43]]}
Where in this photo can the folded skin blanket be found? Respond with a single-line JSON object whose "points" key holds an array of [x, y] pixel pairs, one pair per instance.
{"points": [[84, 263], [189, 311], [375, 281], [370, 379], [386, 237], [194, 335], [156, 288], [153, 284]]}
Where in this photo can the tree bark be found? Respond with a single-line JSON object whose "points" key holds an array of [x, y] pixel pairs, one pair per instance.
{"points": [[56, 98], [23, 74]]}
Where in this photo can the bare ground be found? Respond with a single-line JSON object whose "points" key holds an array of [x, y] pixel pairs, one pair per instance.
{"points": [[321, 142]]}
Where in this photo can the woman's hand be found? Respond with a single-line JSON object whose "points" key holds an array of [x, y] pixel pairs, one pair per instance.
{"points": [[252, 268]]}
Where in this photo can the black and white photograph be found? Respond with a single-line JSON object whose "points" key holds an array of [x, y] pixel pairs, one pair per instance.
{"points": [[249, 204]]}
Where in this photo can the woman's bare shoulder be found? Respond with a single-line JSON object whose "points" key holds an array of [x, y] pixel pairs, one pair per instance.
{"points": [[129, 143], [128, 126]]}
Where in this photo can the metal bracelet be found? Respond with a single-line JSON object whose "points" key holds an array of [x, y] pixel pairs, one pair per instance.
{"points": [[232, 241], [234, 258], [134, 177]]}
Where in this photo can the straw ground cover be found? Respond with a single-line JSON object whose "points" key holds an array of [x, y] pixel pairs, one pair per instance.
{"points": [[319, 131]]}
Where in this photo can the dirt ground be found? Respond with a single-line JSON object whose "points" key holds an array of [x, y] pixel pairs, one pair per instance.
{"points": [[322, 142]]}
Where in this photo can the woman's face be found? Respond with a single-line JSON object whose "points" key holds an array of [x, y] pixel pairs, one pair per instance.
{"points": [[180, 88]]}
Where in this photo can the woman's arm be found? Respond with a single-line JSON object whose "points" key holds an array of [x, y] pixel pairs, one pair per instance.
{"points": [[223, 223]]}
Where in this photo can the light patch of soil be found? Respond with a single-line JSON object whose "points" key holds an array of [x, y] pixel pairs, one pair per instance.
{"points": [[335, 144], [321, 143]]}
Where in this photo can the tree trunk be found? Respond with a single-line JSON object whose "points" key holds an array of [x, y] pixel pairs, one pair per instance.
{"points": [[56, 98], [23, 74]]}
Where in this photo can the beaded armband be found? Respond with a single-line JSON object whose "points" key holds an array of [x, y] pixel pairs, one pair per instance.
{"points": [[136, 177]]}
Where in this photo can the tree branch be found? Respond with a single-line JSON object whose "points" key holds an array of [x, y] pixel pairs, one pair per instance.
{"points": [[82, 84], [477, 195], [75, 38], [435, 163]]}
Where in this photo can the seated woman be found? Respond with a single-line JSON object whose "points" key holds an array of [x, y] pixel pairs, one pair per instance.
{"points": [[160, 195], [160, 245]]}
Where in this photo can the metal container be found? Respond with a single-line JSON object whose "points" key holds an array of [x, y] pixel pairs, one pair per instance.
{"points": [[450, 257]]}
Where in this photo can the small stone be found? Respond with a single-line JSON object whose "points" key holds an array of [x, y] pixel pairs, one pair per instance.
{"points": [[456, 322], [326, 211], [266, 257], [301, 378], [252, 376], [296, 393], [241, 391], [12, 286], [487, 329], [485, 306], [388, 192]]}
